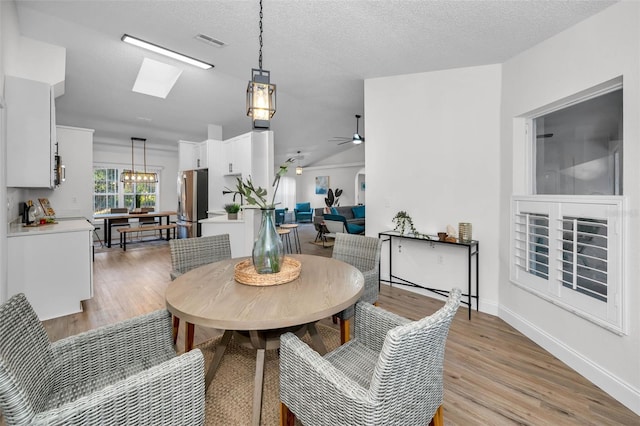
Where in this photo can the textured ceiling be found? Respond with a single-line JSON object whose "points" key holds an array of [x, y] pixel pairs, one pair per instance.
{"points": [[318, 52]]}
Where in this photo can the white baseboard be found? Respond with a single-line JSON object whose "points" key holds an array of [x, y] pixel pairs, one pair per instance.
{"points": [[614, 386]]}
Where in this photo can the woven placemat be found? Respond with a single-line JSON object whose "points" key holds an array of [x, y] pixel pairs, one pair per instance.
{"points": [[245, 273]]}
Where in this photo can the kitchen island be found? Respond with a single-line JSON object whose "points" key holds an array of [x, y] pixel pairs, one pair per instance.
{"points": [[236, 229], [52, 265]]}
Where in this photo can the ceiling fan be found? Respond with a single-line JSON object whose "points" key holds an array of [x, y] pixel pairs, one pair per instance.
{"points": [[356, 139]]}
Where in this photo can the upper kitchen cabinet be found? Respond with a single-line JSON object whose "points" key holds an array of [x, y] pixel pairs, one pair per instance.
{"points": [[74, 196], [237, 155], [31, 133], [193, 155]]}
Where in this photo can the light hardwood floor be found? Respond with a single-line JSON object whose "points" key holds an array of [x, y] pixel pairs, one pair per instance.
{"points": [[493, 374]]}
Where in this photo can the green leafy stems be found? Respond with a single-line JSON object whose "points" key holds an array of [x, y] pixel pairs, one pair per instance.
{"points": [[404, 221], [258, 196]]}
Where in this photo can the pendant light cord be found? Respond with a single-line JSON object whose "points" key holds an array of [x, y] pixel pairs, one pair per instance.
{"points": [[260, 38], [133, 170]]}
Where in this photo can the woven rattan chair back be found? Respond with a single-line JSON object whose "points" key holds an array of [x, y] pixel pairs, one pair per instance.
{"points": [[190, 253], [409, 372], [358, 250], [26, 362]]}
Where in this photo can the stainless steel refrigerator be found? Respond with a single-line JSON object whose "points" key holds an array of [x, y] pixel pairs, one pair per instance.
{"points": [[193, 201]]}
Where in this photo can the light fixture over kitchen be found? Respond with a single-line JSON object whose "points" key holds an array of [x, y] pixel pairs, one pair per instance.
{"points": [[131, 176], [164, 51], [261, 94]]}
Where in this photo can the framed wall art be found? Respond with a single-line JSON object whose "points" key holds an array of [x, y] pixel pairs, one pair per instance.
{"points": [[322, 184]]}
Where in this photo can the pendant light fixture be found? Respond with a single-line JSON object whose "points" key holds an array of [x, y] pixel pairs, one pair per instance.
{"points": [[131, 176], [299, 168], [261, 94]]}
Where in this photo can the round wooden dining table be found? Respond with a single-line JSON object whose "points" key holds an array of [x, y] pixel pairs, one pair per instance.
{"points": [[209, 296]]}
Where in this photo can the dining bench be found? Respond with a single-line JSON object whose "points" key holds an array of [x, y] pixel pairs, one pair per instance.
{"points": [[124, 231]]}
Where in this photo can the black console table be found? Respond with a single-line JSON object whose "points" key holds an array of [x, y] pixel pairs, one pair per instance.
{"points": [[472, 247]]}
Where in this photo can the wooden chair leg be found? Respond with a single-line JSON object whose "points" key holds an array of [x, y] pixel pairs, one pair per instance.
{"points": [[334, 318], [188, 338], [438, 417], [176, 327], [345, 331], [287, 418]]}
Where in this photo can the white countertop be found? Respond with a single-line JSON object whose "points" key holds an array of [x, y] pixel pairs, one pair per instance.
{"points": [[63, 225], [220, 219]]}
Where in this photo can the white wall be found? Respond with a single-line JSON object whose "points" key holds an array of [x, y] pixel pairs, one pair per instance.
{"points": [[433, 151], [592, 52], [166, 159]]}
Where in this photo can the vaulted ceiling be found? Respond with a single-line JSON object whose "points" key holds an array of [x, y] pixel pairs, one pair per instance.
{"points": [[319, 54]]}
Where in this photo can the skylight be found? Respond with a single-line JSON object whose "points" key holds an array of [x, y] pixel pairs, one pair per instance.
{"points": [[156, 78]]}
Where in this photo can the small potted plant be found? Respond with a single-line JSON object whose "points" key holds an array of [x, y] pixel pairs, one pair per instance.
{"points": [[404, 223], [232, 210]]}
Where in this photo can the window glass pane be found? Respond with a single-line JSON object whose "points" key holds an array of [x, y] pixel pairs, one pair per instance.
{"points": [[578, 149]]}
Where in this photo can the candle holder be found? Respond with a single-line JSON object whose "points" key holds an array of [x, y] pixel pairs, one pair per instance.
{"points": [[464, 232]]}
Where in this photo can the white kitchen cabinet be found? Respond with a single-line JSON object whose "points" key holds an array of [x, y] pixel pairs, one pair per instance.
{"points": [[193, 155], [52, 265], [31, 133], [202, 160], [236, 230], [237, 155], [74, 196]]}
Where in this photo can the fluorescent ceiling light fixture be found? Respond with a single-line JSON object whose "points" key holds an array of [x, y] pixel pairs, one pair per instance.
{"points": [[156, 78], [161, 50]]}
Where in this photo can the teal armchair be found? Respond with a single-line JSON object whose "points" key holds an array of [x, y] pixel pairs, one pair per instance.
{"points": [[303, 212], [280, 213]]}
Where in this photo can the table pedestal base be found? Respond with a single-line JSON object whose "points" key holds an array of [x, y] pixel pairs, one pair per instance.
{"points": [[261, 340]]}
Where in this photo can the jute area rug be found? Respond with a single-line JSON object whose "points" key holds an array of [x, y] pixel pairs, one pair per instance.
{"points": [[328, 243], [229, 399]]}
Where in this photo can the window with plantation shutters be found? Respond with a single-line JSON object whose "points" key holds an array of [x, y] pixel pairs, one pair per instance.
{"points": [[570, 251]]}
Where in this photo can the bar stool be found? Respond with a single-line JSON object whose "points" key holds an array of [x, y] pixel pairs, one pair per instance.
{"points": [[296, 238], [286, 239]]}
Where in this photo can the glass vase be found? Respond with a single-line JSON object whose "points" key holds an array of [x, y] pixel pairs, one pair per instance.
{"points": [[268, 250]]}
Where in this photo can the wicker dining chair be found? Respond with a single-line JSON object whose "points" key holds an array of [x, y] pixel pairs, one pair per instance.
{"points": [[391, 373], [190, 253], [124, 373], [363, 253]]}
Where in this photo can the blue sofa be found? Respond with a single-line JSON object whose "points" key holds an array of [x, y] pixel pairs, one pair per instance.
{"points": [[350, 228], [303, 212], [347, 211]]}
